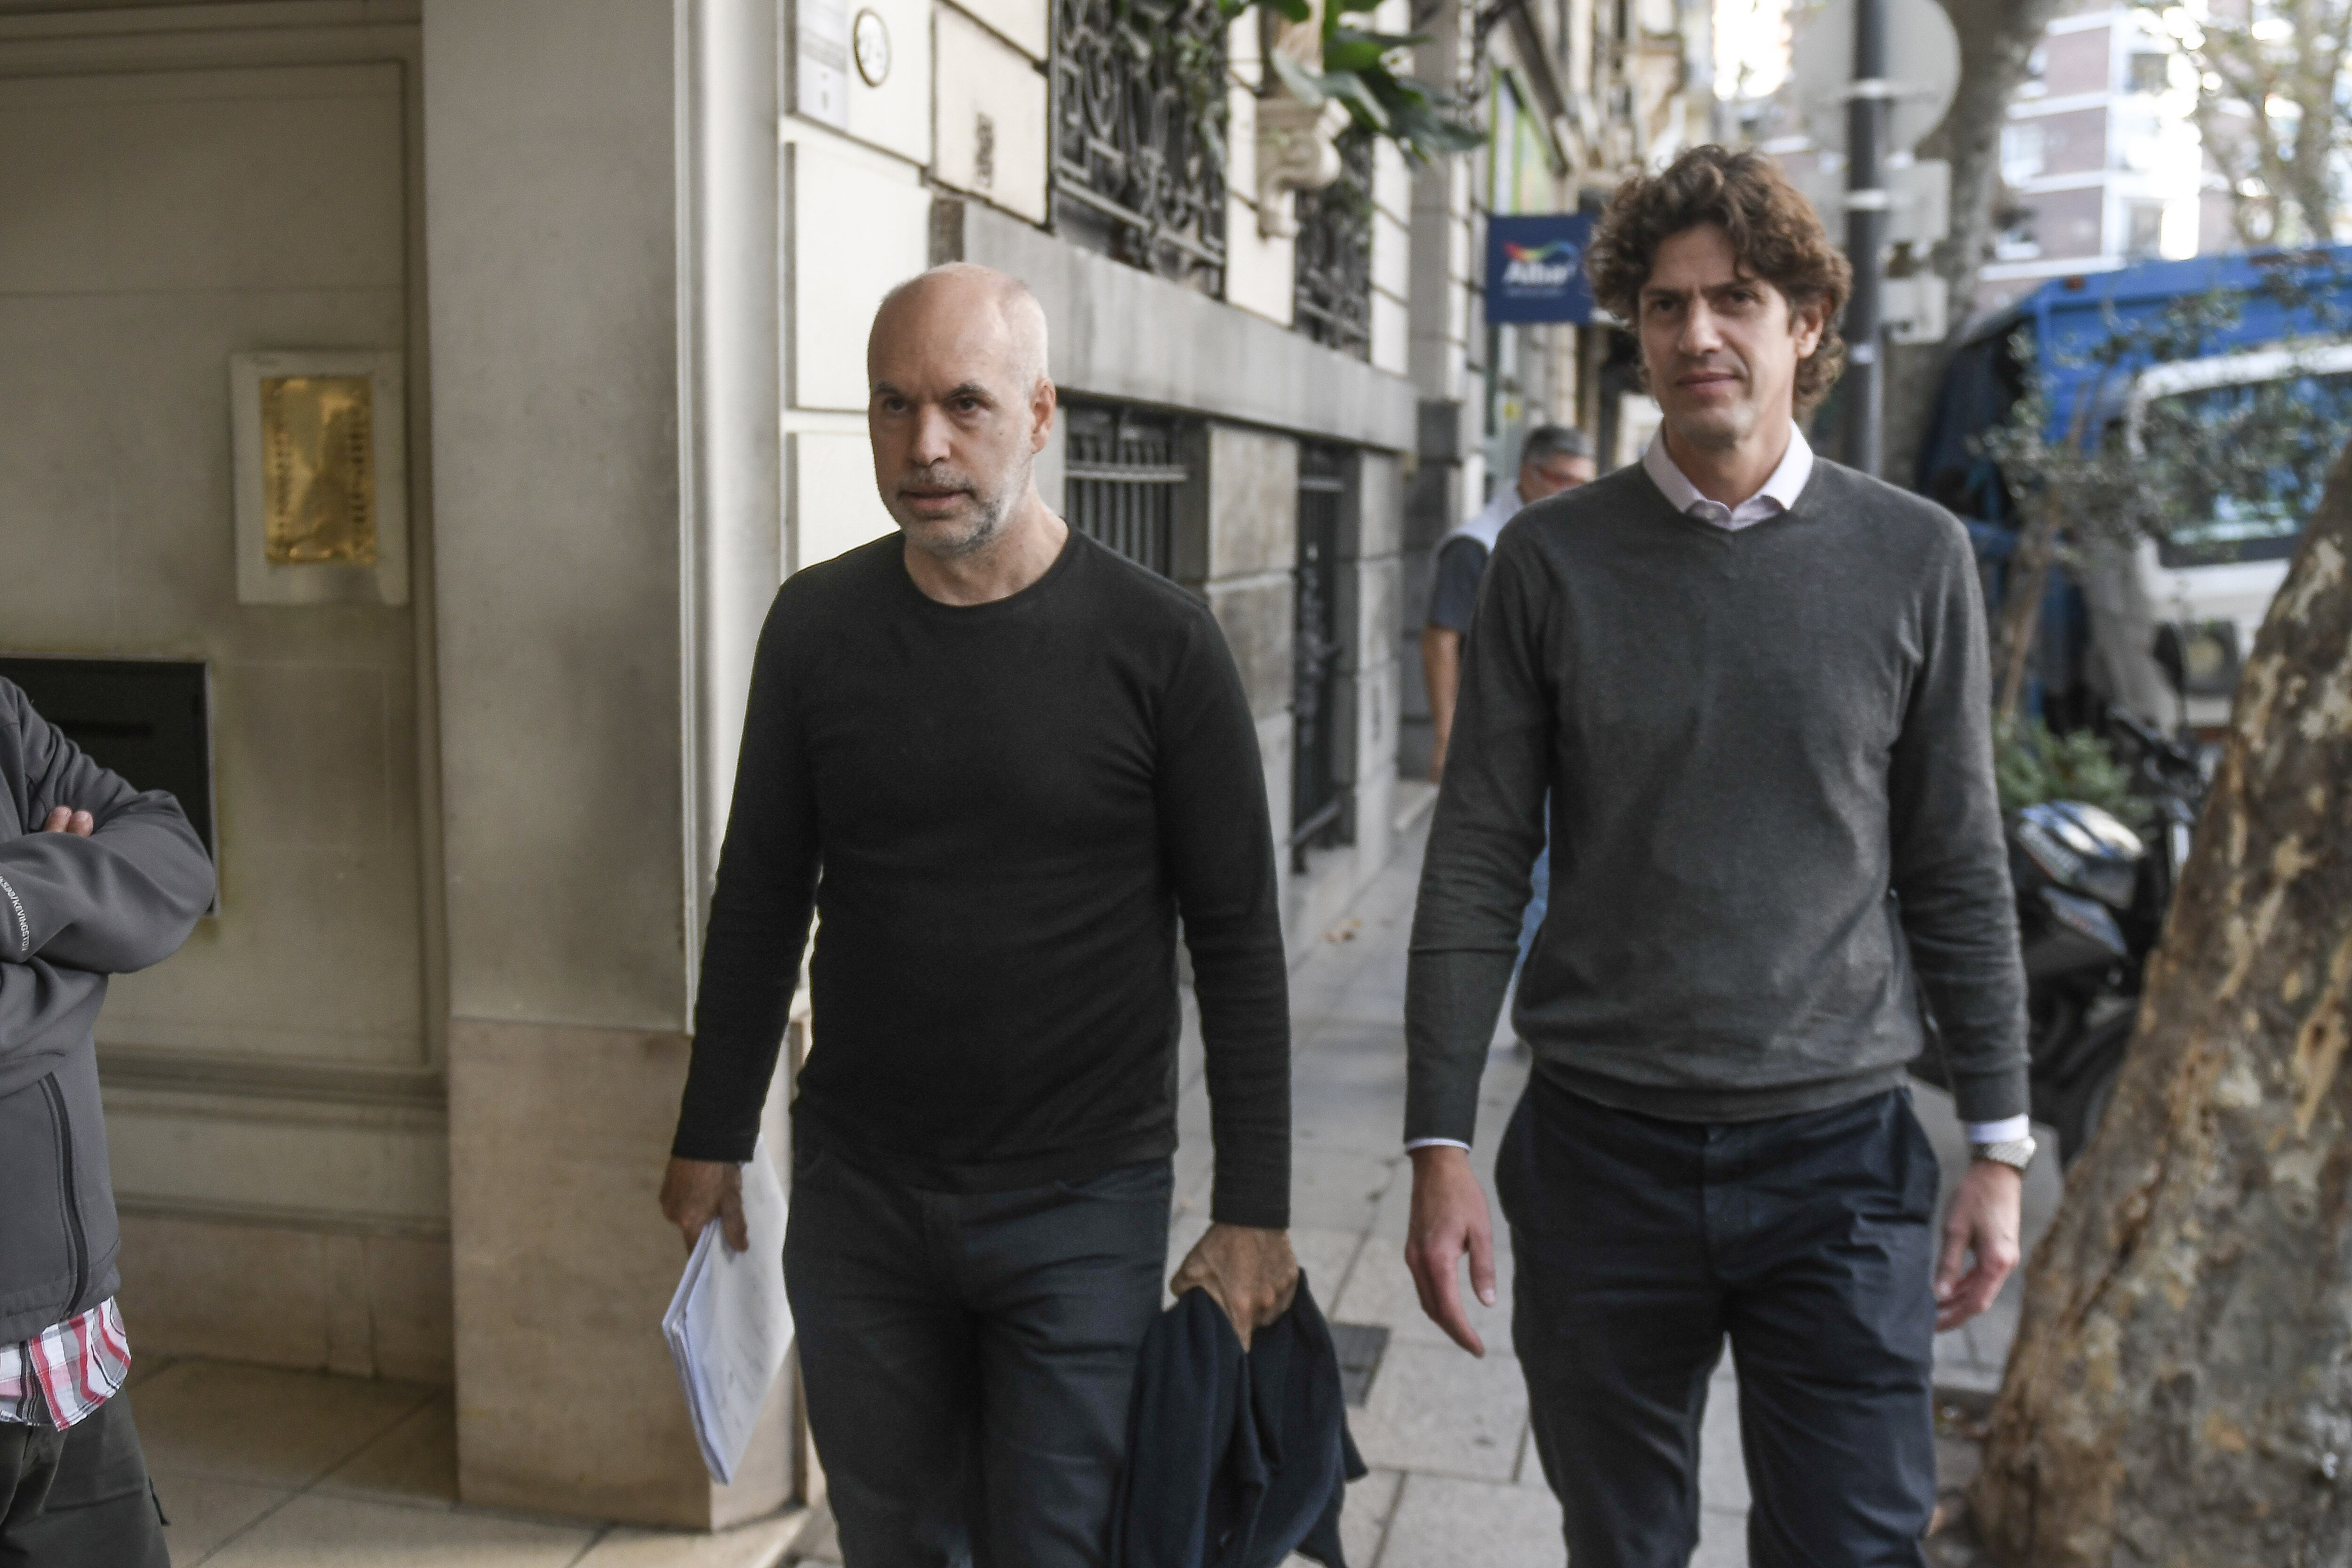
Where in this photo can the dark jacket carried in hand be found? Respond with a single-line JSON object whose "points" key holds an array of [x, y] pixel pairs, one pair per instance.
{"points": [[1234, 1459], [73, 910]]}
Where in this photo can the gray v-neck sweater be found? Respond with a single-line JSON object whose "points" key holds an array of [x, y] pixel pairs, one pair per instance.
{"points": [[1769, 759]]}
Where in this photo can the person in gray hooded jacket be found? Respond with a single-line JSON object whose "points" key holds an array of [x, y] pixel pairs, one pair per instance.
{"points": [[96, 878]]}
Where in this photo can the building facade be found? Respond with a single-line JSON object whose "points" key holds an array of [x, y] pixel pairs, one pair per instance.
{"points": [[2102, 164], [604, 269]]}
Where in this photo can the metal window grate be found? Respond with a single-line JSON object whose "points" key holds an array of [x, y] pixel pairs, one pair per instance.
{"points": [[1123, 475], [1138, 132], [1333, 271]]}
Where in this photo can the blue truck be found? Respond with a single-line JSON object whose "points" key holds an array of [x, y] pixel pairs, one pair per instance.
{"points": [[2211, 581]]}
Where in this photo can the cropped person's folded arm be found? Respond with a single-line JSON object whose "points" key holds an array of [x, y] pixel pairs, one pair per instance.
{"points": [[120, 900], [1218, 845], [1483, 843], [45, 1010], [760, 913], [1950, 861]]}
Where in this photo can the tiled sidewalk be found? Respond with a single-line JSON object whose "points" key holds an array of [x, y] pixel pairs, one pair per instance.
{"points": [[263, 1468]]}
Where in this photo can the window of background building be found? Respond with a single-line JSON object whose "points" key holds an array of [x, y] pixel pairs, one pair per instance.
{"points": [[2019, 238], [2147, 71], [2021, 152], [2143, 229]]}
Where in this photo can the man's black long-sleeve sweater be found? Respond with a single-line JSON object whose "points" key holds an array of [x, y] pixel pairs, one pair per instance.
{"points": [[998, 812]]}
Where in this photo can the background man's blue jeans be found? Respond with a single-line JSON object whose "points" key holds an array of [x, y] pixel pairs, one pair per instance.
{"points": [[1539, 896]]}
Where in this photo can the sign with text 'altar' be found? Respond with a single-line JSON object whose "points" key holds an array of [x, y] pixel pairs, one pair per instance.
{"points": [[1535, 267]]}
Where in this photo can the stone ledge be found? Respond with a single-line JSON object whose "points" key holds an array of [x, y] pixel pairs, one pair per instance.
{"points": [[1200, 354]]}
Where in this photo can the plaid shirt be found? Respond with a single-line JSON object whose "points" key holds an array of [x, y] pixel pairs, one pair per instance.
{"points": [[61, 1375]]}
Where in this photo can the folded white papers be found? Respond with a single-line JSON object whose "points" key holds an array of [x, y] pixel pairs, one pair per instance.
{"points": [[729, 1326]]}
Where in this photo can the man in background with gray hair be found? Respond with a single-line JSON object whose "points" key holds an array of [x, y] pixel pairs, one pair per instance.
{"points": [[1552, 458], [1000, 761]]}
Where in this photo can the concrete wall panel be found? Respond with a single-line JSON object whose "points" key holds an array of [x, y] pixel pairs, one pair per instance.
{"points": [[556, 485], [1252, 498], [1023, 23], [1117, 331], [897, 115], [859, 227], [991, 106], [1258, 619], [834, 504]]}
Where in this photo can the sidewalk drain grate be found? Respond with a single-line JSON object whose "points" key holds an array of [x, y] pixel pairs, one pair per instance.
{"points": [[1359, 1347]]}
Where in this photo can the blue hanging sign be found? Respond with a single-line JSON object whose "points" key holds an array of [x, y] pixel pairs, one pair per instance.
{"points": [[1535, 267]]}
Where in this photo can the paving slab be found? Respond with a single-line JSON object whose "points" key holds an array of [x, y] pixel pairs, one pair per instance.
{"points": [[1445, 1522], [759, 1544], [415, 1462], [265, 1425], [202, 1513], [327, 1532], [1442, 1412]]}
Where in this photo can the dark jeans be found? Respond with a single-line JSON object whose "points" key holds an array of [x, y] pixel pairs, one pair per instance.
{"points": [[969, 1359], [80, 1498], [1640, 1244]]}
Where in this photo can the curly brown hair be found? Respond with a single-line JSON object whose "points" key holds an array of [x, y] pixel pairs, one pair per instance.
{"points": [[1773, 232]]}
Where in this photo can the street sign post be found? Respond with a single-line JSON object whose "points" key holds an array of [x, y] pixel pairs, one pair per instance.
{"points": [[1905, 62]]}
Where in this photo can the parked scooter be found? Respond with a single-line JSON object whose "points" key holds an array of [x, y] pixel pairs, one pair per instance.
{"points": [[2092, 897]]}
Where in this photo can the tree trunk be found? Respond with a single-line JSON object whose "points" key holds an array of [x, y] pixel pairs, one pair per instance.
{"points": [[1996, 37], [2023, 586], [2180, 1392]]}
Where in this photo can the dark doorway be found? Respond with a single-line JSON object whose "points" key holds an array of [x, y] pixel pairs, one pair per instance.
{"points": [[148, 720], [1317, 804]]}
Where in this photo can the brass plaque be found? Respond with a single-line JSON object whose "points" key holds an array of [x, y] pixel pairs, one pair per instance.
{"points": [[318, 471]]}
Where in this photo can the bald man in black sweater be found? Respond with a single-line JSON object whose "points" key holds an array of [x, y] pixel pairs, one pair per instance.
{"points": [[1000, 762]]}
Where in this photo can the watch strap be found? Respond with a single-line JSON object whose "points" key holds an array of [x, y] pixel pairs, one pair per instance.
{"points": [[2015, 1152]]}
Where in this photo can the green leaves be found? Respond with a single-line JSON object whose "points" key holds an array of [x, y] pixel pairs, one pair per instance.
{"points": [[2031, 765], [1360, 71]]}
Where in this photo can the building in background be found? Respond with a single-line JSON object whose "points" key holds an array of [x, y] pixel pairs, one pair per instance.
{"points": [[582, 288], [2101, 161]]}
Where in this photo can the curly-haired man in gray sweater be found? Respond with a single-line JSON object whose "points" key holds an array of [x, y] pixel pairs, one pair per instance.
{"points": [[1753, 684]]}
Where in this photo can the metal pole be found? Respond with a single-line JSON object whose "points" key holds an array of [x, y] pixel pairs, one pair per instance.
{"points": [[1865, 233]]}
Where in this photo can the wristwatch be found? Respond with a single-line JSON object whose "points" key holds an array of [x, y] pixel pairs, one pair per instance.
{"points": [[2015, 1152]]}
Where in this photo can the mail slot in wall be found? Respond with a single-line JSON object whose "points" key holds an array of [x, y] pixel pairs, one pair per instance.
{"points": [[149, 720]]}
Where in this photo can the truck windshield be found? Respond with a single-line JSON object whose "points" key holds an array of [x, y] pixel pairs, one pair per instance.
{"points": [[2244, 463]]}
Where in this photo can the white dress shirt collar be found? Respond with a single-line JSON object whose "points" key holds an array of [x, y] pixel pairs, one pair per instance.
{"points": [[1779, 492]]}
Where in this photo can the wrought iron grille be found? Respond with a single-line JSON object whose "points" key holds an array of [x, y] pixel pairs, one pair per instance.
{"points": [[1140, 132], [1318, 805], [1332, 298], [1122, 475]]}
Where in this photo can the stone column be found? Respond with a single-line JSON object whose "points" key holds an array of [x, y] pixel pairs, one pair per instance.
{"points": [[605, 535], [1240, 551]]}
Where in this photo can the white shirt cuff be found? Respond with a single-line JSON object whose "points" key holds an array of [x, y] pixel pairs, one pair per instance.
{"points": [[1413, 1144], [2005, 1131]]}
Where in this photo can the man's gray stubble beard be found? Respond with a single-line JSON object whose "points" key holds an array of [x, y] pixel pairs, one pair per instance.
{"points": [[988, 521]]}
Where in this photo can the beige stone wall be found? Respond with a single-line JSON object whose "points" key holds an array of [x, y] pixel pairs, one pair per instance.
{"points": [[579, 664], [359, 1303], [180, 192]]}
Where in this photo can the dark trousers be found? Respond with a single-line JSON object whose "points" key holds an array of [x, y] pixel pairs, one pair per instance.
{"points": [[1808, 1240], [969, 1358], [80, 1498]]}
